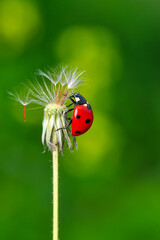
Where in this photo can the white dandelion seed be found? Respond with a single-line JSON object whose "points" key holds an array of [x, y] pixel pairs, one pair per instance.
{"points": [[24, 100], [73, 78], [51, 93], [55, 77]]}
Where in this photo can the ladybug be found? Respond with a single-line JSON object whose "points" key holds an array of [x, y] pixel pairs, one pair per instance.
{"points": [[82, 116]]}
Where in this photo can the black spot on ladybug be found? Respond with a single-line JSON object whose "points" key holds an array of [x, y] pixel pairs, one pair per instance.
{"points": [[88, 120], [78, 116], [77, 131]]}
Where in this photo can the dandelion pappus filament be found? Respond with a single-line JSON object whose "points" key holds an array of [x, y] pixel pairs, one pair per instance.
{"points": [[64, 96], [60, 93], [55, 93], [24, 110]]}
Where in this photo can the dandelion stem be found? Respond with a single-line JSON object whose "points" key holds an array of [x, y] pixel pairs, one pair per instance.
{"points": [[24, 113], [60, 93], [64, 96], [55, 193]]}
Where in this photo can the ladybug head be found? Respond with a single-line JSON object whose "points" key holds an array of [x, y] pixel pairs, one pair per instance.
{"points": [[75, 94], [79, 99]]}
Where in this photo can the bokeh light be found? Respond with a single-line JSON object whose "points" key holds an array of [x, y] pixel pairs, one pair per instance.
{"points": [[19, 23], [93, 49]]}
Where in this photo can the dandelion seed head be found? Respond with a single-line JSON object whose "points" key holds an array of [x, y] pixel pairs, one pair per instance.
{"points": [[50, 91]]}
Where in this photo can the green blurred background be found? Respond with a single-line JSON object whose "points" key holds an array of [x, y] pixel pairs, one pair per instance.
{"points": [[110, 187]]}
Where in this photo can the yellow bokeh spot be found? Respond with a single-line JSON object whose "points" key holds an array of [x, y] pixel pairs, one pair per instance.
{"points": [[104, 138], [19, 21], [95, 50]]}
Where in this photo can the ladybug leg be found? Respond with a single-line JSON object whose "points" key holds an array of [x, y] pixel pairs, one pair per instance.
{"points": [[69, 105], [69, 110], [69, 123], [71, 98], [66, 126]]}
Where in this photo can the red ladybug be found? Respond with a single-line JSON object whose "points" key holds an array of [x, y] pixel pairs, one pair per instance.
{"points": [[82, 116]]}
